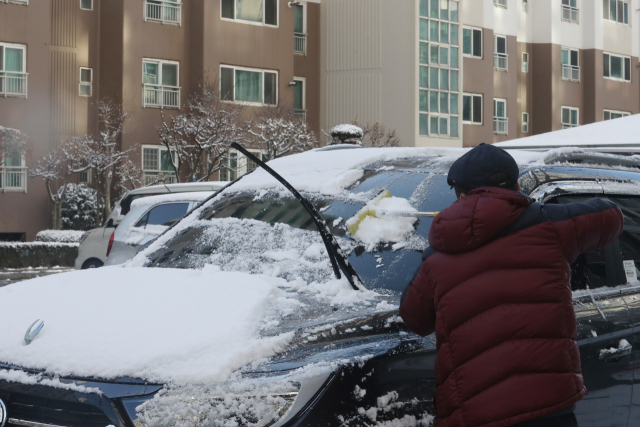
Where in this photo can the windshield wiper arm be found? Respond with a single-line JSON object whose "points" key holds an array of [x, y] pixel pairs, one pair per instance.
{"points": [[338, 260]]}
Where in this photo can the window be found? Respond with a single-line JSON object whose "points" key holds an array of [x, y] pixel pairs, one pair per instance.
{"points": [[570, 117], [24, 2], [163, 214], [156, 165], [611, 114], [300, 29], [570, 11], [472, 109], [13, 173], [86, 4], [500, 57], [500, 120], [525, 122], [165, 11], [525, 62], [13, 64], [160, 80], [500, 3], [439, 69], [617, 67], [616, 10], [299, 95], [525, 6], [86, 82], [472, 42], [248, 85], [260, 12], [570, 65]]}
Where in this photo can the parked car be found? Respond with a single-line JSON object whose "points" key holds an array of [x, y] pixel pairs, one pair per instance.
{"points": [[92, 252], [329, 351], [148, 217]]}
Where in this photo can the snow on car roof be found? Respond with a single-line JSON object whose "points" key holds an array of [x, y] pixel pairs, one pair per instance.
{"points": [[195, 196]]}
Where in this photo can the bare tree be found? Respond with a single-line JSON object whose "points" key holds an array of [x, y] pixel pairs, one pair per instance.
{"points": [[279, 132], [202, 134], [376, 135], [129, 176], [56, 169], [12, 141]]}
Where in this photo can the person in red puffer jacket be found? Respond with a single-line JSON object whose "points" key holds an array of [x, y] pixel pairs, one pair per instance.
{"points": [[495, 288]]}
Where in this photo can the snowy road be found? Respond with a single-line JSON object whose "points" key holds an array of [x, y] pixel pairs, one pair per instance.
{"points": [[10, 276]]}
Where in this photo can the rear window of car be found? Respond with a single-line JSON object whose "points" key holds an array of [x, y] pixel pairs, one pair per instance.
{"points": [[163, 214]]}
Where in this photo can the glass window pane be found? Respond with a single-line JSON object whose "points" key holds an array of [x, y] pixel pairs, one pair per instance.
{"points": [[453, 103], [444, 79], [424, 101], [298, 19], [607, 115], [454, 81], [165, 161], [466, 41], [424, 7], [453, 128], [170, 74], [616, 67], [466, 108], [150, 73], [424, 124], [85, 90], [477, 43], [453, 34], [226, 84], [620, 11], [444, 9], [434, 54], [500, 110], [248, 86], [566, 116], [165, 214], [434, 9], [433, 102], [434, 125], [270, 89], [574, 58], [454, 57], [227, 9], [605, 7], [501, 45], [424, 76], [86, 4], [444, 32], [424, 53], [433, 35], [298, 93], [626, 13], [612, 10], [249, 10], [453, 11], [627, 69], [150, 159], [424, 29], [564, 56], [477, 109], [85, 75], [271, 12], [574, 117], [443, 125], [444, 102], [444, 55], [606, 64], [433, 80]]}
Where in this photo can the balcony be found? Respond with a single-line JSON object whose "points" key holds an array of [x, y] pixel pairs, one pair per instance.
{"points": [[13, 179], [300, 114], [300, 43], [500, 3], [167, 12], [13, 84], [570, 73], [156, 96], [501, 61], [501, 125], [570, 14]]}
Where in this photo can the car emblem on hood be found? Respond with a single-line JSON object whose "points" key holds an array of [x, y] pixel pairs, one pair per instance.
{"points": [[31, 333], [3, 414]]}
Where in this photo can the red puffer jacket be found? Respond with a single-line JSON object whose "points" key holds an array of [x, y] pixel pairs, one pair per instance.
{"points": [[495, 288]]}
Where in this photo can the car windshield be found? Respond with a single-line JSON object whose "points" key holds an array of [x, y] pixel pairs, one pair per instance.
{"points": [[269, 232]]}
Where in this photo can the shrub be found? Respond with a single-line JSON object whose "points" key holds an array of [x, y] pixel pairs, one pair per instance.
{"points": [[79, 208]]}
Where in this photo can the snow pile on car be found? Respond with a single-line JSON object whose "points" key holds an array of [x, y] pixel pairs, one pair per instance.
{"points": [[194, 196]]}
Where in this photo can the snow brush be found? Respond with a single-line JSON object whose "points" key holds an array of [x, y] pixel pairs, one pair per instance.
{"points": [[354, 222]]}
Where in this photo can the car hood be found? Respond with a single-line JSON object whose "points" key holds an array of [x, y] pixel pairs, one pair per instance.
{"points": [[174, 326]]}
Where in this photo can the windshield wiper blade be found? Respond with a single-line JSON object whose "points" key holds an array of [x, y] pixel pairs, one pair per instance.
{"points": [[338, 259]]}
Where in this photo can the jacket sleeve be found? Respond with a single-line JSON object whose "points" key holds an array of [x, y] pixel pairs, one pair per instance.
{"points": [[583, 227], [417, 307]]}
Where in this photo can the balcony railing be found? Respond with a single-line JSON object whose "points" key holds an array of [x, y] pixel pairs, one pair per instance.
{"points": [[500, 125], [300, 43], [154, 178], [167, 12], [568, 126], [13, 84], [13, 179], [300, 114], [570, 14], [156, 96], [501, 61], [571, 72], [25, 2], [500, 3]]}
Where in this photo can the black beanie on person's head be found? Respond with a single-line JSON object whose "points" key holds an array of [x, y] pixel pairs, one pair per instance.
{"points": [[473, 170]]}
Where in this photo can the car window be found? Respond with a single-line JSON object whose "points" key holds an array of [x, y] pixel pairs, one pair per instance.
{"points": [[163, 214]]}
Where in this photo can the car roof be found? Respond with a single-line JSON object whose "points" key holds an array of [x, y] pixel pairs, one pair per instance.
{"points": [[179, 188]]}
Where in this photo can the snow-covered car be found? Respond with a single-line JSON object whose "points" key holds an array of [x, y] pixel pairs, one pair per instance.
{"points": [[251, 311], [94, 244], [149, 217]]}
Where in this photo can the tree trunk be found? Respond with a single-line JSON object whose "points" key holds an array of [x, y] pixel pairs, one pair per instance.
{"points": [[56, 215], [107, 199]]}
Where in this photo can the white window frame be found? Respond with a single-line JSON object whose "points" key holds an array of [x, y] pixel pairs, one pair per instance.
{"points": [[84, 8], [242, 164], [260, 70], [497, 56], [622, 114], [472, 95], [569, 125], [504, 119], [500, 3], [570, 12], [569, 68], [525, 6], [21, 170], [22, 2], [302, 114], [525, 62], [24, 67], [172, 3], [243, 21], [624, 57], [607, 17], [155, 172], [176, 89], [301, 37], [89, 83], [525, 122], [471, 55]]}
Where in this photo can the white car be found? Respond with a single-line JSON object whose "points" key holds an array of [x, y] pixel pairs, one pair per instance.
{"points": [[149, 217], [94, 243]]}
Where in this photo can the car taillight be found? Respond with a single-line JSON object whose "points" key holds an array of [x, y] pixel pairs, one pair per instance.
{"points": [[110, 243]]}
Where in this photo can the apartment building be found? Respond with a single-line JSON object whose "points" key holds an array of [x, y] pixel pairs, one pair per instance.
{"points": [[462, 72], [58, 57]]}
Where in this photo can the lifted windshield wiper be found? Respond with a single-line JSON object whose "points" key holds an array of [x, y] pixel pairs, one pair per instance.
{"points": [[337, 257]]}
